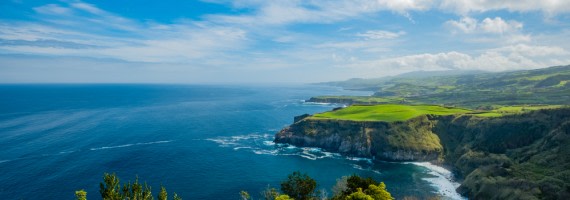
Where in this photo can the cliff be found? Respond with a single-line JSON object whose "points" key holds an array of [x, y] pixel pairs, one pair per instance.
{"points": [[411, 140], [520, 156]]}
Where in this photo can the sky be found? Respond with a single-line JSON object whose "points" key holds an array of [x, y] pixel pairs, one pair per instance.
{"points": [[265, 41]]}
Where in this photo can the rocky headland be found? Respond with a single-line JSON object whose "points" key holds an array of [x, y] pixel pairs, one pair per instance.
{"points": [[520, 156]]}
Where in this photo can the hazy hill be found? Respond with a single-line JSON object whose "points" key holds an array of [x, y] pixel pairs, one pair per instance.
{"points": [[472, 88]]}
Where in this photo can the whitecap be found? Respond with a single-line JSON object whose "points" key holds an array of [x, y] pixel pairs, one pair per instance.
{"points": [[238, 148], [65, 152], [128, 145], [442, 180], [368, 160], [265, 152]]}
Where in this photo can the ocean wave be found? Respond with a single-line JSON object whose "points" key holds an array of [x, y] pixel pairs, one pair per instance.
{"points": [[367, 168], [321, 104], [263, 144], [368, 160], [128, 145], [442, 180], [3, 161]]}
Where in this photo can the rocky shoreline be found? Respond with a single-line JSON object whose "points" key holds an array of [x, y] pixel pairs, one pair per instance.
{"points": [[498, 148]]}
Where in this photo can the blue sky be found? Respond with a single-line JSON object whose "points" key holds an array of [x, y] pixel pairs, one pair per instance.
{"points": [[259, 41]]}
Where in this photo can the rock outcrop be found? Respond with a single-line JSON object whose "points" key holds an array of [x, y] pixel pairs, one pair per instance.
{"points": [[522, 156], [396, 141]]}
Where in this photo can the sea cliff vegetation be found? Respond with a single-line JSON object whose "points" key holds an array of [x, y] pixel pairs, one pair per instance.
{"points": [[519, 155], [506, 135]]}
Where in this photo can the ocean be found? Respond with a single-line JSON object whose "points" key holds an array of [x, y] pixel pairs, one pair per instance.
{"points": [[200, 141]]}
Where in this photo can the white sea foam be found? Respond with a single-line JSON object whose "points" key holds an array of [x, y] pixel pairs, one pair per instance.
{"points": [[128, 145], [266, 152], [65, 152], [323, 104], [442, 180], [262, 144], [368, 160], [360, 167], [238, 148]]}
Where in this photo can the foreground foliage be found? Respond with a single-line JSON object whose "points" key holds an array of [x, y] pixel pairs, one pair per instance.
{"points": [[301, 186], [110, 189]]}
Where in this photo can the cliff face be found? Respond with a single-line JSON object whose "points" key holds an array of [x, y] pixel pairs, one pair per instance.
{"points": [[396, 141], [523, 156]]}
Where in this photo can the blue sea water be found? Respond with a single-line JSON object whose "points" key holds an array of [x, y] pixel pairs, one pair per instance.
{"points": [[200, 141]]}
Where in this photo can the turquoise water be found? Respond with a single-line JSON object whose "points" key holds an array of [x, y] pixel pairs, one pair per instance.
{"points": [[202, 142]]}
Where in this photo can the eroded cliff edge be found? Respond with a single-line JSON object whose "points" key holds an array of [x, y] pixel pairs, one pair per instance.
{"points": [[522, 156], [411, 140]]}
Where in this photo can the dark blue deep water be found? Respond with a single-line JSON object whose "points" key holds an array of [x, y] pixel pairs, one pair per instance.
{"points": [[203, 142]]}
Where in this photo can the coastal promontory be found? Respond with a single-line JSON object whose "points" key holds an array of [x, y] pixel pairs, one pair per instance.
{"points": [[521, 154]]}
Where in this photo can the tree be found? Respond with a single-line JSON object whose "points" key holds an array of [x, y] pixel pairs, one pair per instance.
{"points": [[176, 197], [340, 186], [244, 195], [379, 192], [283, 197], [354, 182], [110, 189], [81, 195], [359, 195], [352, 186], [162, 195], [269, 193], [299, 186]]}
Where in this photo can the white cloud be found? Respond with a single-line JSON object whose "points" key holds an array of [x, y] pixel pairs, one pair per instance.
{"points": [[285, 12], [53, 9], [505, 58], [296, 11], [465, 24], [488, 25], [550, 7], [500, 26], [380, 34], [79, 24], [262, 39]]}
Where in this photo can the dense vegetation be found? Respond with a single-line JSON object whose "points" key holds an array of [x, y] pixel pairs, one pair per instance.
{"points": [[520, 156], [473, 90], [297, 186], [110, 189], [302, 187]]}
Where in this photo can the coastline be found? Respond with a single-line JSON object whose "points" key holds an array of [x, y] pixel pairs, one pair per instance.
{"points": [[443, 180]]}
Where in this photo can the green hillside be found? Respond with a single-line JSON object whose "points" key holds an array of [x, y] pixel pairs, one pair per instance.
{"points": [[388, 112], [473, 90]]}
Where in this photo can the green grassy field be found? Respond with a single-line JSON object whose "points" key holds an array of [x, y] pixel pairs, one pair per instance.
{"points": [[388, 112], [399, 112]]}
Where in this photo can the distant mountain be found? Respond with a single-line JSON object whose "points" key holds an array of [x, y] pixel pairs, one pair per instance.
{"points": [[425, 74], [472, 88], [373, 83]]}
